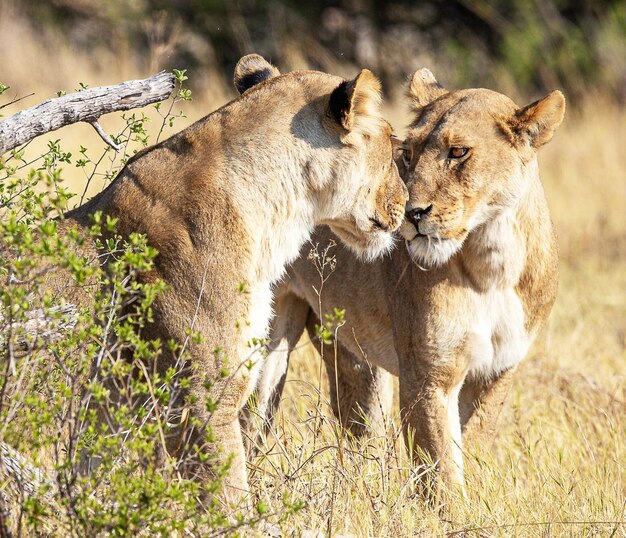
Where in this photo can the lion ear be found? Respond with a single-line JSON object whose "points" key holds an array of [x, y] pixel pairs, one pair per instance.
{"points": [[537, 122], [355, 104], [251, 70], [424, 88]]}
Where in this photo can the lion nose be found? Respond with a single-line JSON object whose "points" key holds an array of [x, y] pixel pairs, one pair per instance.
{"points": [[416, 214]]}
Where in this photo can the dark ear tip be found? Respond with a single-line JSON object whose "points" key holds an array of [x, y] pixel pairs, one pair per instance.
{"points": [[339, 102], [252, 79], [251, 70]]}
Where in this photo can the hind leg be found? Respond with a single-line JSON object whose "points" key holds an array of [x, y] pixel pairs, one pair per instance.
{"points": [[361, 394], [480, 405], [257, 417]]}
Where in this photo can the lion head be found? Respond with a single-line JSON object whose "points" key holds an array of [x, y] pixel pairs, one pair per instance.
{"points": [[345, 146], [469, 156]]}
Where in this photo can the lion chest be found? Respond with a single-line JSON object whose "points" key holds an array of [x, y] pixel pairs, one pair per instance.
{"points": [[496, 339]]}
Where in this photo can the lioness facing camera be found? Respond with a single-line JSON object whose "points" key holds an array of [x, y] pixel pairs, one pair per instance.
{"points": [[453, 312], [229, 201]]}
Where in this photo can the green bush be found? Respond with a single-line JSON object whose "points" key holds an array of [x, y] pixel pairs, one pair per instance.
{"points": [[85, 416]]}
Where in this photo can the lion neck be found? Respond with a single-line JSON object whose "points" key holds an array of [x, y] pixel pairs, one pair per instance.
{"points": [[279, 210], [496, 254]]}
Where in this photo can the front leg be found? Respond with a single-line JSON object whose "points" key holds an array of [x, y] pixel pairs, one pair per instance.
{"points": [[429, 409], [211, 435], [432, 365]]}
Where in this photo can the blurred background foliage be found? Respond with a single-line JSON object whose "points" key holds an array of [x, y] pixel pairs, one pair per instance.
{"points": [[521, 47]]}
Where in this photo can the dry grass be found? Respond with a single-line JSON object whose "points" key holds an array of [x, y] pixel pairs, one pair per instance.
{"points": [[557, 466]]}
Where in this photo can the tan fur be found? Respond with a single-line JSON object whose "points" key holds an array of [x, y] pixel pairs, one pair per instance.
{"points": [[454, 311], [229, 201]]}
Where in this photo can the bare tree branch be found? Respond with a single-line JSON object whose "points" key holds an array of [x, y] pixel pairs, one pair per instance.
{"points": [[87, 105], [105, 136], [15, 100]]}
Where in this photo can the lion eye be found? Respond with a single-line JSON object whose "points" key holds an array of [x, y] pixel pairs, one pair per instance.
{"points": [[457, 152]]}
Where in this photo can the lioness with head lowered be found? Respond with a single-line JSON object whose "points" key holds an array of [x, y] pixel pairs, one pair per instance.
{"points": [[230, 200], [453, 311]]}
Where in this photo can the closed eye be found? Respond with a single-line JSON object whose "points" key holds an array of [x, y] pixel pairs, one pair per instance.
{"points": [[457, 152]]}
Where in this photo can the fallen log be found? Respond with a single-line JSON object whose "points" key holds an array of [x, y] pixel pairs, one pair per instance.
{"points": [[86, 105]]}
